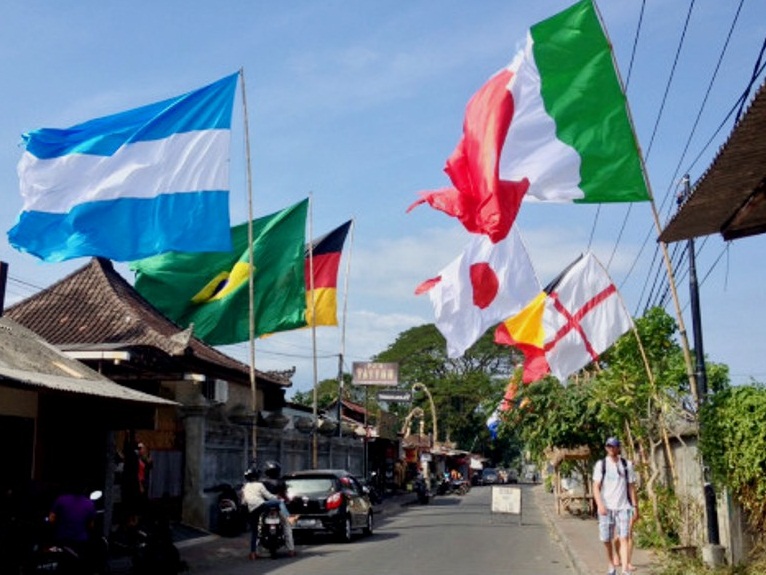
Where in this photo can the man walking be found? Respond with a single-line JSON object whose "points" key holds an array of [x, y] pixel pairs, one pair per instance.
{"points": [[614, 488]]}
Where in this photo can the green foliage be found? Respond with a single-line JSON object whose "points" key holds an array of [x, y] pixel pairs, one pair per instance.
{"points": [[675, 563], [733, 444], [555, 415], [462, 389], [327, 393], [664, 532]]}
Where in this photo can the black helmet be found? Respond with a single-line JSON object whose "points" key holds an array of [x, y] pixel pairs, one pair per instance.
{"points": [[272, 469], [252, 474]]}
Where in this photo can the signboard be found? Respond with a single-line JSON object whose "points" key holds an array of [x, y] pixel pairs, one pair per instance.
{"points": [[369, 373], [395, 395], [506, 500]]}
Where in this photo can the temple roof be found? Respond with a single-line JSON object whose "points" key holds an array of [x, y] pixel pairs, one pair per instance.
{"points": [[94, 309]]}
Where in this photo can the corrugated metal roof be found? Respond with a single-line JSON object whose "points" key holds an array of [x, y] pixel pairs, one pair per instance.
{"points": [[28, 360], [730, 198]]}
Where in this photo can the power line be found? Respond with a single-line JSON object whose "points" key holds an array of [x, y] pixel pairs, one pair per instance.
{"points": [[691, 135], [668, 84]]}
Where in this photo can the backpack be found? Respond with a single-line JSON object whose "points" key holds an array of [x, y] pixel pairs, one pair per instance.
{"points": [[602, 462]]}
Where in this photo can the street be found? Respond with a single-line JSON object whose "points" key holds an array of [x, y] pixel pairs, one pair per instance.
{"points": [[452, 534]]}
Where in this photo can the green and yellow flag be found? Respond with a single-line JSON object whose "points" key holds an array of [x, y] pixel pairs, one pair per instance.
{"points": [[210, 290]]}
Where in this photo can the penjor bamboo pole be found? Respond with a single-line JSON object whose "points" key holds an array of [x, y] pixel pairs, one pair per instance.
{"points": [[251, 285]]}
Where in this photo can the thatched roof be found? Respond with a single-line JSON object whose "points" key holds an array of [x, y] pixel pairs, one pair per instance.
{"points": [[556, 455], [730, 198]]}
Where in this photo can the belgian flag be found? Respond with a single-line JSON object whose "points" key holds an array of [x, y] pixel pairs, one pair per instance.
{"points": [[327, 252]]}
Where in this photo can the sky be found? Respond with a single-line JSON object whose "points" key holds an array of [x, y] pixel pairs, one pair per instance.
{"points": [[357, 105]]}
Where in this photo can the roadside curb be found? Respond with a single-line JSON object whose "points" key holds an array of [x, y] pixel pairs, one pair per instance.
{"points": [[560, 536]]}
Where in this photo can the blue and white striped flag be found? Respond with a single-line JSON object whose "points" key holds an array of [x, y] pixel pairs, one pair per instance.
{"points": [[494, 420], [131, 185], [493, 423]]}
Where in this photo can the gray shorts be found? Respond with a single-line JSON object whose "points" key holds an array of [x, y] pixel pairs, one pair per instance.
{"points": [[614, 520]]}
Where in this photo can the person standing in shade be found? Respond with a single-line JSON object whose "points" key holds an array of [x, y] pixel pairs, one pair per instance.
{"points": [[144, 467], [614, 489]]}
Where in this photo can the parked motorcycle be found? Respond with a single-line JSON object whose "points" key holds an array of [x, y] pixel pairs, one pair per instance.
{"points": [[232, 515], [421, 489], [145, 547], [271, 534], [57, 559], [448, 486], [48, 557], [370, 488]]}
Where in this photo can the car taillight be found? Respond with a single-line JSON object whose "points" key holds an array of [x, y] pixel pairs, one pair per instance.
{"points": [[334, 501]]}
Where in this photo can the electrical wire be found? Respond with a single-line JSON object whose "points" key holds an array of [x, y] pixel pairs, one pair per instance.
{"points": [[663, 102]]}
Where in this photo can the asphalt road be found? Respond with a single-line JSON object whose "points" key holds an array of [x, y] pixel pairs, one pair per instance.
{"points": [[452, 535]]}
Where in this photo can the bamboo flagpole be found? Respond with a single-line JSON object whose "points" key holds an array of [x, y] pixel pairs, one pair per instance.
{"points": [[343, 327], [251, 285], [663, 246], [312, 309]]}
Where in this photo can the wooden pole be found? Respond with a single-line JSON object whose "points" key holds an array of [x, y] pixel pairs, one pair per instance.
{"points": [[251, 283], [343, 329], [312, 310]]}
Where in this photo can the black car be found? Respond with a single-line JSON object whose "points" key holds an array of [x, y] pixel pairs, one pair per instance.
{"points": [[490, 476], [328, 500]]}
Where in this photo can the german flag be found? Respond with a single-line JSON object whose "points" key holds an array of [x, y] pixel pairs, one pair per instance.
{"points": [[327, 251]]}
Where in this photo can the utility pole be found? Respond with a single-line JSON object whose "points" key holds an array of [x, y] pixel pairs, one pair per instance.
{"points": [[711, 512]]}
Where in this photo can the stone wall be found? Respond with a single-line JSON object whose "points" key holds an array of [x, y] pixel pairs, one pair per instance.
{"points": [[227, 453]]}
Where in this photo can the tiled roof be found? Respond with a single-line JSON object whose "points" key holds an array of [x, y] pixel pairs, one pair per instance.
{"points": [[353, 406], [95, 306]]}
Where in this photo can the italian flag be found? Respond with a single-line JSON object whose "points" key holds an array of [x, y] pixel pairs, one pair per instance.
{"points": [[552, 126]]}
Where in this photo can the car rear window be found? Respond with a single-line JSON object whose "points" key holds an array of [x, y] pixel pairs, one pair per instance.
{"points": [[312, 486]]}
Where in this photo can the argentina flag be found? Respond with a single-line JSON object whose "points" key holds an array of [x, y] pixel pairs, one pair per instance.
{"points": [[131, 185]]}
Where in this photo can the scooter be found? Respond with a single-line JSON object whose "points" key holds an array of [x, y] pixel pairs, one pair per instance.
{"points": [[271, 534], [448, 486], [145, 547], [371, 490], [47, 557], [232, 515], [421, 489]]}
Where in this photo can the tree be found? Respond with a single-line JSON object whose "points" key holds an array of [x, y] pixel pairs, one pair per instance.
{"points": [[327, 392], [464, 390]]}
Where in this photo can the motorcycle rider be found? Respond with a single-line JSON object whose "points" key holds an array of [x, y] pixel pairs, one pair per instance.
{"points": [[254, 494], [72, 518], [277, 486]]}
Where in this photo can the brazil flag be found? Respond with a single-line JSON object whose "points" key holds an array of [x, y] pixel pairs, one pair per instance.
{"points": [[210, 290]]}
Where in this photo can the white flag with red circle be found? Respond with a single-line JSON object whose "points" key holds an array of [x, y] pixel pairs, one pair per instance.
{"points": [[486, 284]]}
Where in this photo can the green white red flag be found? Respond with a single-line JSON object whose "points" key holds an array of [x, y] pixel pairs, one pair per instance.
{"points": [[552, 126]]}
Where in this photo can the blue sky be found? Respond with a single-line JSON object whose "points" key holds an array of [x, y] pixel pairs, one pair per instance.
{"points": [[358, 104]]}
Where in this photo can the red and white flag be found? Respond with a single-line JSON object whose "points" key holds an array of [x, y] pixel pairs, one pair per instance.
{"points": [[487, 283], [569, 324]]}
